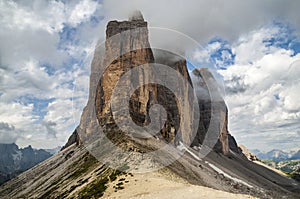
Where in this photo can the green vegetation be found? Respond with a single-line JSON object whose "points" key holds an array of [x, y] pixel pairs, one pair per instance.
{"points": [[119, 186], [48, 193], [50, 190], [118, 171], [81, 181], [94, 190], [290, 167], [89, 161], [97, 188], [73, 187], [114, 175]]}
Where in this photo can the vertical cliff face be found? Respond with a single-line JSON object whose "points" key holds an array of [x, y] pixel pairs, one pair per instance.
{"points": [[180, 114], [127, 47], [213, 113]]}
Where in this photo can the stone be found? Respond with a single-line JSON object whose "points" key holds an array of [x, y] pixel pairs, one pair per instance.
{"points": [[213, 123], [127, 47]]}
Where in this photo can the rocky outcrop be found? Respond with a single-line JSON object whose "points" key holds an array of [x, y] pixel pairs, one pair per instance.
{"points": [[128, 35], [74, 138], [213, 123], [127, 47], [134, 50], [233, 144], [249, 155]]}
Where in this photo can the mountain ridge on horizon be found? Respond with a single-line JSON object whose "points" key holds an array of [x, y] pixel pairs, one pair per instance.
{"points": [[15, 160], [277, 154]]}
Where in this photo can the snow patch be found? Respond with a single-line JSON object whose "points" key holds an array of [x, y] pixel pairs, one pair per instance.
{"points": [[227, 175], [181, 147], [17, 156]]}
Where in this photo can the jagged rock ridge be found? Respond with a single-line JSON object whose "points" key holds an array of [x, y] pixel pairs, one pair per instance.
{"points": [[15, 160]]}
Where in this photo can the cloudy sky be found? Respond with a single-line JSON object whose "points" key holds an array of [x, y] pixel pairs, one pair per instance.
{"points": [[46, 49]]}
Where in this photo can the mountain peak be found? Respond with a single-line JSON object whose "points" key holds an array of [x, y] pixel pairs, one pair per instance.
{"points": [[113, 155], [14, 160]]}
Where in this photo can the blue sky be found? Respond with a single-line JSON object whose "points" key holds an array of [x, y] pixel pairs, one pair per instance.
{"points": [[47, 46]]}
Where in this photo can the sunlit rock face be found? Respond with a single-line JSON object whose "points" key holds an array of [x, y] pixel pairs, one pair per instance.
{"points": [[127, 47]]}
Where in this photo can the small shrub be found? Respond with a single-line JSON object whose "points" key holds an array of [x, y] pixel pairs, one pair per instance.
{"points": [[94, 190]]}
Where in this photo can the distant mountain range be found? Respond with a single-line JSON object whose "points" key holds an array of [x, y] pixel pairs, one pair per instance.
{"points": [[277, 155], [54, 150], [15, 160]]}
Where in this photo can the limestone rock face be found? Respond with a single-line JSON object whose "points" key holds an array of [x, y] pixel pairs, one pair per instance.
{"points": [[128, 35], [249, 155], [180, 114], [74, 138], [213, 123], [127, 47]]}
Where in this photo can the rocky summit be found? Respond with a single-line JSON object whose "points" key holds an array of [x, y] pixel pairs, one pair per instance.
{"points": [[105, 158], [127, 47], [134, 50]]}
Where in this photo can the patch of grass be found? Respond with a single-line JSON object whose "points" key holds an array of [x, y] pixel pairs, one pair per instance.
{"points": [[94, 190], [89, 161], [100, 169], [113, 176], [119, 186], [48, 193], [72, 188]]}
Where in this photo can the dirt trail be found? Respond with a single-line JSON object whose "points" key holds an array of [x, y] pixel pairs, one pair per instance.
{"points": [[157, 185]]}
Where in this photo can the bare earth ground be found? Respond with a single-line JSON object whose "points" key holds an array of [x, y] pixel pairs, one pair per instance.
{"points": [[74, 173], [157, 185]]}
